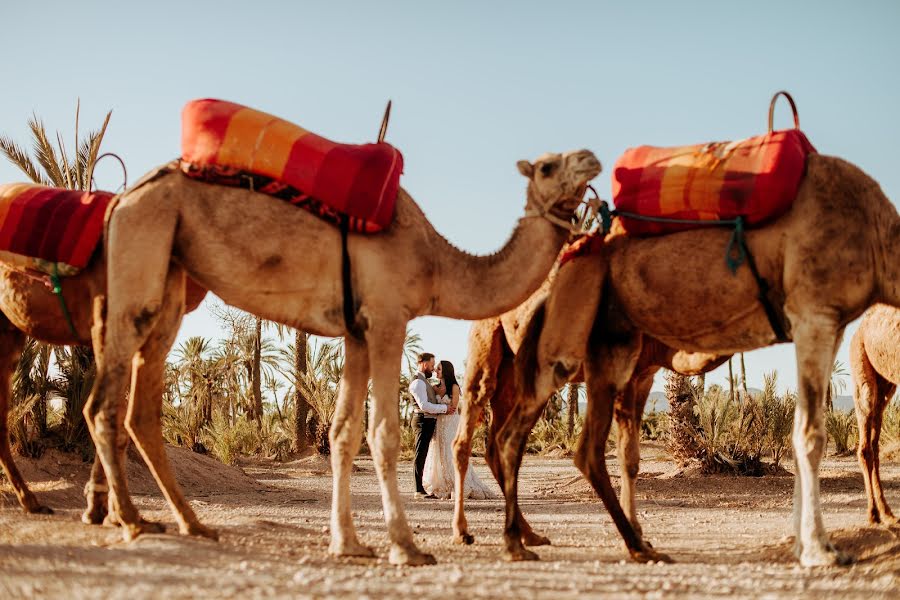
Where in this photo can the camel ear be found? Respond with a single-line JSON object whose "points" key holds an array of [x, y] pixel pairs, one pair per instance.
{"points": [[526, 168]]}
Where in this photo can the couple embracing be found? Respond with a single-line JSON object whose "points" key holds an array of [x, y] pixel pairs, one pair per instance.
{"points": [[435, 422]]}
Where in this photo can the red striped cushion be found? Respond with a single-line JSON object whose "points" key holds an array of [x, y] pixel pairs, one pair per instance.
{"points": [[50, 229], [756, 178], [230, 144]]}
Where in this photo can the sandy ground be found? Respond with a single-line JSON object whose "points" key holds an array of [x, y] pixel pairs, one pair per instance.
{"points": [[727, 534]]}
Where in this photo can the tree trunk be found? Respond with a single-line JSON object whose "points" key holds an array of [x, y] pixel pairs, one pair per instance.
{"points": [[257, 382], [744, 377], [301, 406], [683, 432], [731, 381], [700, 387], [572, 401]]}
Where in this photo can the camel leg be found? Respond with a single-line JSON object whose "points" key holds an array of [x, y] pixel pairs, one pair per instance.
{"points": [[502, 404], [608, 370], [815, 337], [345, 435], [506, 452], [144, 419], [11, 343], [384, 434], [471, 408], [629, 411], [885, 393], [96, 493], [486, 349], [865, 399], [136, 286]]}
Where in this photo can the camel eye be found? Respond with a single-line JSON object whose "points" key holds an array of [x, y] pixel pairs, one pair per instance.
{"points": [[547, 169]]}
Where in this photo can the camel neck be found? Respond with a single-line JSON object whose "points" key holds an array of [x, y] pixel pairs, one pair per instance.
{"points": [[477, 287]]}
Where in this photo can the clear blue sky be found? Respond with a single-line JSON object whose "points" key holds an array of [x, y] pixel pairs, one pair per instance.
{"points": [[476, 86]]}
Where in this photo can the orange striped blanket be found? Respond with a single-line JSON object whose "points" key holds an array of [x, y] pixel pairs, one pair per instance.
{"points": [[230, 144], [50, 229], [755, 178]]}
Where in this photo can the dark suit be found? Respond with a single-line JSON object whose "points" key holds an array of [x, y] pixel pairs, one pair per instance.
{"points": [[423, 425]]}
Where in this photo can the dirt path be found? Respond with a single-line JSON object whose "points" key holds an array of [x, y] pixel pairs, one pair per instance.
{"points": [[727, 534]]}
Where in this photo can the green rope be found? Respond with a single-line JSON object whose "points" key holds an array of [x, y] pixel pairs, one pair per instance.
{"points": [[57, 289]]}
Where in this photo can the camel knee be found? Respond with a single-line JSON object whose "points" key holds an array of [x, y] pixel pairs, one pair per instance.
{"points": [[810, 442], [563, 369]]}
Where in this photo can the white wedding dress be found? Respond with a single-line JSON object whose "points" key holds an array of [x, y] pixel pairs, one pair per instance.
{"points": [[439, 475]]}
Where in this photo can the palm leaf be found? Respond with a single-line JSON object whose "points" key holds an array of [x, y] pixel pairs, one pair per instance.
{"points": [[19, 158], [44, 152]]}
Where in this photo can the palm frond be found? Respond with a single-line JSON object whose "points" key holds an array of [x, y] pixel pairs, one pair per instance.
{"points": [[44, 152], [96, 140], [17, 156]]}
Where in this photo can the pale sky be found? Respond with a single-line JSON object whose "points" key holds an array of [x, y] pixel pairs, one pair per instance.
{"points": [[476, 86]]}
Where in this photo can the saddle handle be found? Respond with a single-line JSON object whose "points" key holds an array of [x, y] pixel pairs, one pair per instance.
{"points": [[793, 109], [384, 122]]}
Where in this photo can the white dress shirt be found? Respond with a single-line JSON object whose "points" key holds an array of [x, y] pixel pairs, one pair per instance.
{"points": [[420, 393]]}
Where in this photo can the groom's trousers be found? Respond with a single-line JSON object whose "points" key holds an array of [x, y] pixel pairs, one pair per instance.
{"points": [[424, 428]]}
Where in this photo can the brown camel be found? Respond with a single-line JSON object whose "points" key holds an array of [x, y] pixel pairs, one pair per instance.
{"points": [[29, 307], [678, 289], [493, 345], [283, 264], [875, 366]]}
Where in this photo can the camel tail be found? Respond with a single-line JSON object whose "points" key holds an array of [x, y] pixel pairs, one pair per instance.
{"points": [[526, 357]]}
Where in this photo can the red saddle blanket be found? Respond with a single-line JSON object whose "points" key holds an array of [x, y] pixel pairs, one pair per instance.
{"points": [[50, 229], [756, 178], [230, 144]]}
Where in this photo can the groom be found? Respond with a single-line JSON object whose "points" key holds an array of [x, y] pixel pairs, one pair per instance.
{"points": [[425, 416]]}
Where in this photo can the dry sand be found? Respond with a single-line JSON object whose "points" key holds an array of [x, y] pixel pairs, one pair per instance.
{"points": [[728, 535]]}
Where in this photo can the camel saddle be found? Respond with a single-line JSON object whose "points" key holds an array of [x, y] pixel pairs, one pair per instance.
{"points": [[229, 144], [755, 179], [51, 230]]}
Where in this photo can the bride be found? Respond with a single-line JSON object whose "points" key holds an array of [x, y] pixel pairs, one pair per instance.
{"points": [[439, 473]]}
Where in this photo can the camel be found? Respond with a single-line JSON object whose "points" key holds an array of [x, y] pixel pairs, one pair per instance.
{"points": [[493, 345], [264, 256], [28, 307], [827, 260], [875, 366]]}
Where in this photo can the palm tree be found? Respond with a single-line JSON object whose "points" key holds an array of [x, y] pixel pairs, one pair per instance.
{"points": [[836, 384], [302, 437], [54, 166], [744, 377], [572, 402], [684, 423], [731, 389]]}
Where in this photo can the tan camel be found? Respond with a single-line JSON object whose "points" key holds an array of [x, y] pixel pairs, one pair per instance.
{"points": [[29, 307], [493, 345], [283, 264], [827, 260], [875, 366]]}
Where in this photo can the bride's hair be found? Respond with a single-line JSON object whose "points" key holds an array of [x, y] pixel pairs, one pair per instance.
{"points": [[449, 376]]}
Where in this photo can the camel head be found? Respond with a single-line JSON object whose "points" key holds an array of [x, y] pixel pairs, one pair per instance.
{"points": [[557, 183]]}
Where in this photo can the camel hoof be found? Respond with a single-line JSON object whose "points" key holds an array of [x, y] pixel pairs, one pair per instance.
{"points": [[200, 530], [649, 555], [410, 557], [822, 557], [132, 530], [350, 549], [39, 509], [466, 539], [535, 539], [95, 514], [520, 555]]}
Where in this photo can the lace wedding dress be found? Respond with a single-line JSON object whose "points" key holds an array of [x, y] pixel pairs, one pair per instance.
{"points": [[439, 475]]}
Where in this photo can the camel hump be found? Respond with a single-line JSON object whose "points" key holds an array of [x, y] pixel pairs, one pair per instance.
{"points": [[52, 230], [230, 144], [756, 178]]}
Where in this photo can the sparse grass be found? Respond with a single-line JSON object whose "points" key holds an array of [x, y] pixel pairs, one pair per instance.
{"points": [[842, 430]]}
